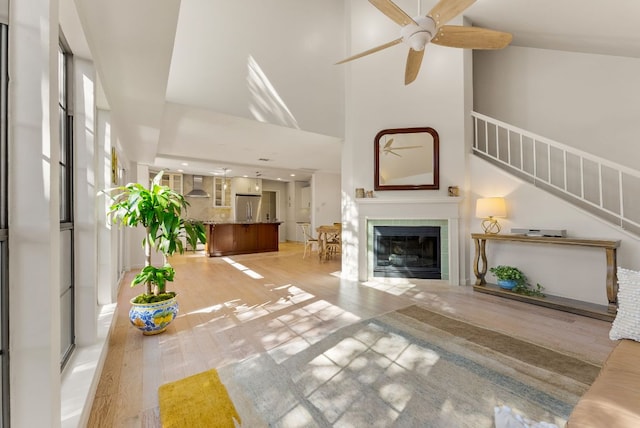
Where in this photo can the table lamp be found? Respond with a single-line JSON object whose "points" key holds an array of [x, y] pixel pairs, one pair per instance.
{"points": [[489, 209]]}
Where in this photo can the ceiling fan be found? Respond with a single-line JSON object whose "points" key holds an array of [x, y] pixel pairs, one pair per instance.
{"points": [[418, 31], [389, 149]]}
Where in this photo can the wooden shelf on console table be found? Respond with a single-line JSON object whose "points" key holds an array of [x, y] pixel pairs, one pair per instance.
{"points": [[562, 303], [578, 307]]}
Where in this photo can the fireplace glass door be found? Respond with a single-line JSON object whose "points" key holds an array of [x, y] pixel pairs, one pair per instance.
{"points": [[407, 252]]}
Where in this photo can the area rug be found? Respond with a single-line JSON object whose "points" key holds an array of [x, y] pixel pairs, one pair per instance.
{"points": [[408, 368], [200, 400]]}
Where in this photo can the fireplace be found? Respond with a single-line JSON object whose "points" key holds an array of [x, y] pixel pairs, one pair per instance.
{"points": [[407, 252], [443, 212]]}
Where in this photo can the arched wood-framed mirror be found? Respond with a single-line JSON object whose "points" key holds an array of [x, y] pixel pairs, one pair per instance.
{"points": [[407, 159]]}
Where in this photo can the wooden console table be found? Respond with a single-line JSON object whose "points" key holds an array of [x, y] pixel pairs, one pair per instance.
{"points": [[569, 305]]}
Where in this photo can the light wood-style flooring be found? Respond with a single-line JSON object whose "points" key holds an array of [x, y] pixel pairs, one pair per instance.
{"points": [[236, 307]]}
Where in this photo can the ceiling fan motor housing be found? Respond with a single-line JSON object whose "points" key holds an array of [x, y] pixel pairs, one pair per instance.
{"points": [[417, 36]]}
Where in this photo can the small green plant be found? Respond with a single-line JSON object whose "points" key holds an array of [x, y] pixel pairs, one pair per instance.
{"points": [[529, 290], [152, 298], [522, 286], [509, 273], [156, 276]]}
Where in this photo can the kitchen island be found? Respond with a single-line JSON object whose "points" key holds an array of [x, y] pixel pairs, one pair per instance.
{"points": [[226, 239]]}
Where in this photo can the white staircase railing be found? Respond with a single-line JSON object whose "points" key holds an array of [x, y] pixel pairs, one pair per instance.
{"points": [[599, 186]]}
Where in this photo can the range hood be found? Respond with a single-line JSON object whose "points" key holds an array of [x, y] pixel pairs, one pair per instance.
{"points": [[197, 191]]}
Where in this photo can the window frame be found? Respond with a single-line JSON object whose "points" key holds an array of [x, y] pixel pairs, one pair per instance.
{"points": [[66, 165]]}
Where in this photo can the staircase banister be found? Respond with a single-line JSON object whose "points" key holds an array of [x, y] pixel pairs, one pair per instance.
{"points": [[564, 147]]}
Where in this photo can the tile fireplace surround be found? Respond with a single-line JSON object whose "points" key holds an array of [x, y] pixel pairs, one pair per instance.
{"points": [[410, 212]]}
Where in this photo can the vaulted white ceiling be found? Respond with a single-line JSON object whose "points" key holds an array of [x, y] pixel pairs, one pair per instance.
{"points": [[252, 85]]}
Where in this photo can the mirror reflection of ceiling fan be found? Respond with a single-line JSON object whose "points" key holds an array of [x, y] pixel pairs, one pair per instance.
{"points": [[418, 31], [389, 149]]}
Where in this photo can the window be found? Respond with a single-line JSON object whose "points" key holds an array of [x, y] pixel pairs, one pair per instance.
{"points": [[67, 318], [4, 233]]}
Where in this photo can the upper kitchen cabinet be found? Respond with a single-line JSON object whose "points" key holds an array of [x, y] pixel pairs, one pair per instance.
{"points": [[247, 185], [221, 192], [305, 197], [174, 181]]}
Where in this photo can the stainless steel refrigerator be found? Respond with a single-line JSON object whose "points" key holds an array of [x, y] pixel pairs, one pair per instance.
{"points": [[248, 208]]}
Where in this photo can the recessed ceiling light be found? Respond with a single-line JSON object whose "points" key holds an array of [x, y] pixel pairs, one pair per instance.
{"points": [[245, 176], [279, 178], [184, 164], [293, 175], [181, 170]]}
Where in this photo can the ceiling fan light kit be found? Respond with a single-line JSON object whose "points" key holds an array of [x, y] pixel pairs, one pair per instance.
{"points": [[417, 32]]}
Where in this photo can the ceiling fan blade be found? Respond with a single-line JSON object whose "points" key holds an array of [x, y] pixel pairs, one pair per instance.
{"points": [[392, 10], [414, 60], [446, 10], [405, 147], [471, 37], [372, 50]]}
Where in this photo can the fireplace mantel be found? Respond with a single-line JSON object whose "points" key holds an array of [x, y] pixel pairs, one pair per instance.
{"points": [[454, 200], [447, 209]]}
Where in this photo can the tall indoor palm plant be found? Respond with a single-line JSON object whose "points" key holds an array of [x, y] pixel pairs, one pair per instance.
{"points": [[158, 209]]}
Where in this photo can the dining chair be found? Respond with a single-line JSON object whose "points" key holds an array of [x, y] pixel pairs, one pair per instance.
{"points": [[334, 242], [309, 240]]}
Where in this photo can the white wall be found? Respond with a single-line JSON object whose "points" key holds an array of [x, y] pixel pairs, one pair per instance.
{"points": [[302, 212], [376, 99], [311, 89], [34, 220], [87, 182], [574, 272], [325, 199], [587, 101], [107, 233]]}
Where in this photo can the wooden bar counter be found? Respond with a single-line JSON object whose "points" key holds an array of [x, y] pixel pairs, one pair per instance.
{"points": [[226, 239]]}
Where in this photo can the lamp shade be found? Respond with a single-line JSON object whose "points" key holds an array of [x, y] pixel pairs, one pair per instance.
{"points": [[491, 207]]}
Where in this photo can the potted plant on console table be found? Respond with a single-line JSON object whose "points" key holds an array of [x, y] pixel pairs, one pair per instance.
{"points": [[158, 209], [511, 278]]}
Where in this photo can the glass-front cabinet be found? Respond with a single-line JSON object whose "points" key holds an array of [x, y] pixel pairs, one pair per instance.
{"points": [[221, 192], [173, 180]]}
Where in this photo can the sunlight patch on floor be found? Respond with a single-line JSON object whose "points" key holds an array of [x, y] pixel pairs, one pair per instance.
{"points": [[395, 286], [333, 380], [246, 313], [207, 310], [242, 268], [296, 330]]}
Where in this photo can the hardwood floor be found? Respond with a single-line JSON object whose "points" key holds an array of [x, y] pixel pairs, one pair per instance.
{"points": [[236, 307]]}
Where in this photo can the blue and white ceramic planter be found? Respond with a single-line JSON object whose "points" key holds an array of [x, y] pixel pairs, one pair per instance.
{"points": [[507, 284], [153, 318]]}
